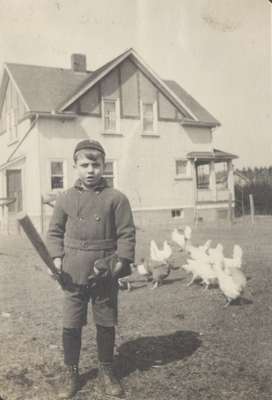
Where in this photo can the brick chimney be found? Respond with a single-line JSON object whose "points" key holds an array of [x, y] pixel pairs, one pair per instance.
{"points": [[78, 62]]}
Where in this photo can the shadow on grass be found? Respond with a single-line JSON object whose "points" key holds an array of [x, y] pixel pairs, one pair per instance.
{"points": [[134, 287], [88, 376], [149, 351], [241, 301], [168, 281]]}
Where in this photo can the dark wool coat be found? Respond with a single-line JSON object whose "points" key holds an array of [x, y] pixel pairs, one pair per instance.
{"points": [[90, 224]]}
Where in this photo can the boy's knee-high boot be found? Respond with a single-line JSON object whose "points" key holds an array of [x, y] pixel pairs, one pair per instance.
{"points": [[71, 346], [105, 337]]}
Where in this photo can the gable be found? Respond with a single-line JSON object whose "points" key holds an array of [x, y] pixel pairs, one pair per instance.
{"points": [[12, 102], [130, 85], [132, 56]]}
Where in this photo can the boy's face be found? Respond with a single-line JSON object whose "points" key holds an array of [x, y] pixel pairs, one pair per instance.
{"points": [[90, 168]]}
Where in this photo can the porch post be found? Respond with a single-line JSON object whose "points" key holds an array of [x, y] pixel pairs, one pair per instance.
{"points": [[212, 181], [230, 178], [194, 175]]}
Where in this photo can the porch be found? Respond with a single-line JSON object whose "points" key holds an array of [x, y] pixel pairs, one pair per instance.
{"points": [[213, 177]]}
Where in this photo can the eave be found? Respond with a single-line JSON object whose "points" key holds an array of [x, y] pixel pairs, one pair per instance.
{"points": [[52, 115], [204, 157], [199, 124]]}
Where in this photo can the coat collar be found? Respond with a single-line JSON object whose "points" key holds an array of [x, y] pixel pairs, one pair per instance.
{"points": [[102, 184]]}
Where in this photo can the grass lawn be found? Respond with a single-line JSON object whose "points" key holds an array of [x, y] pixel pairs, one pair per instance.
{"points": [[174, 342]]}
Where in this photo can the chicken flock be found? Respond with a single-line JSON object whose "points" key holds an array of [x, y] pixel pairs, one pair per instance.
{"points": [[205, 263]]}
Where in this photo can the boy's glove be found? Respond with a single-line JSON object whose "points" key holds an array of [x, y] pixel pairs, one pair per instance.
{"points": [[110, 267]]}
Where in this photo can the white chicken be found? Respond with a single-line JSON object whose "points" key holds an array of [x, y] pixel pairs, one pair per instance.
{"points": [[205, 247], [229, 263], [160, 255], [157, 267], [202, 270], [184, 241], [188, 232], [178, 238], [232, 285], [181, 238], [215, 253], [236, 260], [143, 269]]}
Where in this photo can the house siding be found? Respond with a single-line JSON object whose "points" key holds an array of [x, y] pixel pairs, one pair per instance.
{"points": [[140, 160], [110, 85], [129, 80], [90, 102], [166, 109], [12, 101], [148, 91]]}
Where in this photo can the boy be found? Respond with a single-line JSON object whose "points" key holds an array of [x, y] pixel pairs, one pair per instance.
{"points": [[90, 222]]}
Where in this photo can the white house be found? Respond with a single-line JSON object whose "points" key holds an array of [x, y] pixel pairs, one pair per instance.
{"points": [[158, 139]]}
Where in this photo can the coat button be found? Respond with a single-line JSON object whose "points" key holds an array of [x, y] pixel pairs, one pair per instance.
{"points": [[97, 218]]}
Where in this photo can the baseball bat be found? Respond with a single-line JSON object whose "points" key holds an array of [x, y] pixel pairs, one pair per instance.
{"points": [[38, 244]]}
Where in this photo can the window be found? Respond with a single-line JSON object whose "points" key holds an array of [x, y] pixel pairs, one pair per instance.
{"points": [[221, 173], [11, 125], [149, 117], [111, 115], [203, 176], [57, 175], [177, 213], [182, 169], [109, 173]]}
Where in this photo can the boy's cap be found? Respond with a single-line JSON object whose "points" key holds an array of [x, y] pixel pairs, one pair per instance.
{"points": [[89, 144]]}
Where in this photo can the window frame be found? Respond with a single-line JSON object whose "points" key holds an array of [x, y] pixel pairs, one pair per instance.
{"points": [[114, 171], [179, 212], [208, 187], [188, 172], [154, 131], [65, 180], [221, 184], [117, 113]]}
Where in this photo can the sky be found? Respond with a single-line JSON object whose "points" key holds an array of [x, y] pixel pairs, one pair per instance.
{"points": [[218, 50]]}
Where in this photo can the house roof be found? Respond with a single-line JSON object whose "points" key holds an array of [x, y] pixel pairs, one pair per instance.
{"points": [[47, 89], [44, 88], [200, 112], [215, 155]]}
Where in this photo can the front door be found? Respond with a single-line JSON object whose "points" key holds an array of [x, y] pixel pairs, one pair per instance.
{"points": [[14, 189]]}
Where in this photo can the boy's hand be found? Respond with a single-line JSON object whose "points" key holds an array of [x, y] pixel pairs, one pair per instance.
{"points": [[58, 264], [118, 268], [110, 267], [122, 268]]}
